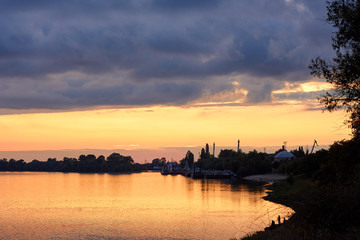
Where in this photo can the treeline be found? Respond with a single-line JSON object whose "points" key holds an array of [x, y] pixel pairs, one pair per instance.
{"points": [[339, 164], [156, 164], [243, 164], [335, 173], [85, 164]]}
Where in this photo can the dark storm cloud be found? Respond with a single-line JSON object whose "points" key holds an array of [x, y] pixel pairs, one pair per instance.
{"points": [[84, 53], [184, 4], [128, 94], [80, 96], [60, 6], [177, 43]]}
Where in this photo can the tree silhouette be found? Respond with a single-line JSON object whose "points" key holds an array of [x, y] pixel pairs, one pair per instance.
{"points": [[119, 163], [189, 159], [343, 72]]}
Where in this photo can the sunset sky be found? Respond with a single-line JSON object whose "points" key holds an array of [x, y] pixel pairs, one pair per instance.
{"points": [[154, 75]]}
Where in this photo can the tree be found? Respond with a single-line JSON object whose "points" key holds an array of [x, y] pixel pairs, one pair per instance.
{"points": [[343, 72], [189, 159], [119, 163], [298, 152], [87, 163], [205, 153], [159, 162], [229, 159]]}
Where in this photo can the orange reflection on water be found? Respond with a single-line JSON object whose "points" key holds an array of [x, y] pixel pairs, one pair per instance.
{"points": [[129, 206]]}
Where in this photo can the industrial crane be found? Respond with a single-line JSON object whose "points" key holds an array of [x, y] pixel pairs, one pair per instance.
{"points": [[315, 143]]}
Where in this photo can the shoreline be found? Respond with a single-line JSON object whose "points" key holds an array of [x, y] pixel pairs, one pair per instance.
{"points": [[269, 178], [295, 196]]}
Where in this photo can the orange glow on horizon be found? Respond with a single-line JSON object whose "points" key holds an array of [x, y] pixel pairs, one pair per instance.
{"points": [[156, 127]]}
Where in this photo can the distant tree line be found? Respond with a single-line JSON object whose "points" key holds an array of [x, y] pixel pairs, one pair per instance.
{"points": [[339, 164], [335, 191], [253, 162], [243, 164], [85, 164], [155, 164]]}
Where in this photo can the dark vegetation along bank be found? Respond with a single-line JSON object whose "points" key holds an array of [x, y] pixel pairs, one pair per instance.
{"points": [[90, 164], [325, 193], [241, 163]]}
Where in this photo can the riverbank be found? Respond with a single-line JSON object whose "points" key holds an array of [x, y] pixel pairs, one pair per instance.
{"points": [[314, 209], [271, 178]]}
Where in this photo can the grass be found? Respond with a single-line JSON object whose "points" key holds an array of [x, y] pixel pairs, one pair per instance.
{"points": [[314, 208], [292, 195]]}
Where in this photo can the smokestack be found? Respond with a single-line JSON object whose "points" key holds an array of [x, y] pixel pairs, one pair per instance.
{"points": [[238, 149], [214, 150]]}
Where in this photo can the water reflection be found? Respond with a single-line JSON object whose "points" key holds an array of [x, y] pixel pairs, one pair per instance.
{"points": [[129, 206]]}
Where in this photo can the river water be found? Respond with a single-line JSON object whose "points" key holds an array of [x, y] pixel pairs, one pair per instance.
{"points": [[129, 206]]}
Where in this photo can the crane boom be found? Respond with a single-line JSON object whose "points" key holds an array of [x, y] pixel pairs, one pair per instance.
{"points": [[315, 143]]}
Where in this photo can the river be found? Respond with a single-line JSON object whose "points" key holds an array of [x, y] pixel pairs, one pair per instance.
{"points": [[129, 206]]}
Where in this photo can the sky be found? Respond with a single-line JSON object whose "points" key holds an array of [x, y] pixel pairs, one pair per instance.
{"points": [[146, 76]]}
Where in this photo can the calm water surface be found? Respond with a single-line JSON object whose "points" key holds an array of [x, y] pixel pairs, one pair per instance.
{"points": [[129, 206]]}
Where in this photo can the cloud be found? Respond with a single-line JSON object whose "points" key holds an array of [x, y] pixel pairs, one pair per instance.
{"points": [[130, 94], [74, 54], [299, 96], [184, 4]]}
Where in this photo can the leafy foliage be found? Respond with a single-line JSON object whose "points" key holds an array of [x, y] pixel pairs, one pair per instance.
{"points": [[189, 159], [241, 163], [344, 70], [86, 163]]}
